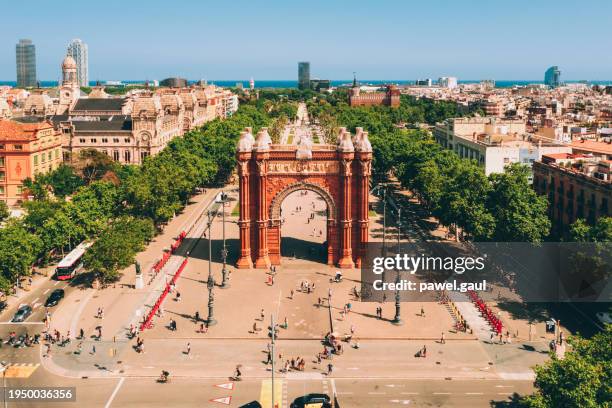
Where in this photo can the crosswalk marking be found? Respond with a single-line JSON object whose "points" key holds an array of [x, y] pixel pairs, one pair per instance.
{"points": [[265, 398], [21, 370]]}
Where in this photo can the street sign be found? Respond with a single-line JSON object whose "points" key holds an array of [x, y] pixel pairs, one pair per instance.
{"points": [[227, 386], [222, 400]]}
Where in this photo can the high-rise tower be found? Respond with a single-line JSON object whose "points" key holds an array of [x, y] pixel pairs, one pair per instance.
{"points": [[552, 76], [303, 75], [25, 53], [77, 49]]}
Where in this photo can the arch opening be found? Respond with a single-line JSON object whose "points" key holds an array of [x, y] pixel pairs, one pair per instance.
{"points": [[301, 216]]}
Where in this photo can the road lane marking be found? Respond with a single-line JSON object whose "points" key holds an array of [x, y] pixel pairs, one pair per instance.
{"points": [[474, 393], [441, 393], [409, 393], [56, 283], [504, 393], [45, 292], [21, 323], [115, 391], [504, 386], [35, 300], [377, 393]]}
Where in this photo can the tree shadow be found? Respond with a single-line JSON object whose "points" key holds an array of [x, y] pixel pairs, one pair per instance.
{"points": [[515, 401]]}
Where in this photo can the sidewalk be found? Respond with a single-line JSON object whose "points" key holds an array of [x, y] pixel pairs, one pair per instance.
{"points": [[121, 302]]}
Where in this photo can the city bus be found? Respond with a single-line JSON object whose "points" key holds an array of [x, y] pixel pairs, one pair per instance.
{"points": [[72, 263]]}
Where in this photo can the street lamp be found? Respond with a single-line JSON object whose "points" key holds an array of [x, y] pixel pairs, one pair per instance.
{"points": [[397, 320], [210, 284], [224, 271]]}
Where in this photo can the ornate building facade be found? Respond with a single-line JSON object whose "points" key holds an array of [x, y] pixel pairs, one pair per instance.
{"points": [[26, 149], [268, 173], [128, 128]]}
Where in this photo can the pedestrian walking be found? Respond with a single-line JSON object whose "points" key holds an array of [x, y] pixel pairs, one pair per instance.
{"points": [[424, 351], [422, 312], [560, 338], [330, 368], [442, 340], [188, 348], [269, 358], [196, 316], [262, 315], [81, 333], [352, 329], [93, 349], [291, 296], [255, 327]]}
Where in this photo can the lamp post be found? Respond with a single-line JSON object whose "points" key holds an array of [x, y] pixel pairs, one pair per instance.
{"points": [[210, 284], [224, 271], [397, 320]]}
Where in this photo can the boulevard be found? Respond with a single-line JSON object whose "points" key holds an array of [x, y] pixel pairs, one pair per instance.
{"points": [[383, 370]]}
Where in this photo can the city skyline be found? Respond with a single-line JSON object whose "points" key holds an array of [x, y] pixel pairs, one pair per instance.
{"points": [[438, 40]]}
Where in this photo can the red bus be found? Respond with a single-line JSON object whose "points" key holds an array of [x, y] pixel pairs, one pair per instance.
{"points": [[72, 263]]}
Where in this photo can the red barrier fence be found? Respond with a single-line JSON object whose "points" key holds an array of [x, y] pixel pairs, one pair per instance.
{"points": [[147, 322], [486, 312]]}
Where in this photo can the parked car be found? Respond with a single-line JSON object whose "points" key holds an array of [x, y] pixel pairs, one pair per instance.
{"points": [[54, 297], [22, 313], [312, 401], [252, 404]]}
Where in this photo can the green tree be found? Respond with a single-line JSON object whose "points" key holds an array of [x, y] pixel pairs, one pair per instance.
{"points": [[581, 380], [520, 213], [4, 211], [117, 246], [19, 250]]}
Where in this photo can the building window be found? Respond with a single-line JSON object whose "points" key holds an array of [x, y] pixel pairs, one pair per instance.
{"points": [[94, 140], [57, 153], [116, 140], [126, 140], [143, 155], [1, 161], [104, 140], [18, 147], [36, 160], [116, 155], [66, 130], [42, 157], [1, 190], [127, 156], [1, 147], [2, 175], [19, 189], [82, 140]]}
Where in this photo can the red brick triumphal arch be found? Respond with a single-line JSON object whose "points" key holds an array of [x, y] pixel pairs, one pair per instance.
{"points": [[268, 173]]}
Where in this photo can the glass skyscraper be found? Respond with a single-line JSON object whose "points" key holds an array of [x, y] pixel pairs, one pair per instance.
{"points": [[25, 53], [552, 76], [77, 49], [304, 75]]}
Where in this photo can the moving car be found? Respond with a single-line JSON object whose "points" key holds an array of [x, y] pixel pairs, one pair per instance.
{"points": [[54, 297], [312, 401], [22, 313]]}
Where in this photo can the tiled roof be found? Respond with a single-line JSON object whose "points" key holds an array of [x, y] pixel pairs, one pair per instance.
{"points": [[99, 104], [11, 130], [592, 146], [103, 125]]}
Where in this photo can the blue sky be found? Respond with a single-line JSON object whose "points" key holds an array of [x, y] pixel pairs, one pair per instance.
{"points": [[470, 39]]}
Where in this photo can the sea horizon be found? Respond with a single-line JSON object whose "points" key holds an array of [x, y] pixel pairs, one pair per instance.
{"points": [[280, 83]]}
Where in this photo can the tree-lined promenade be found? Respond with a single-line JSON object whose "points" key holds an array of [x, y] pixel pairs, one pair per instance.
{"points": [[117, 206]]}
